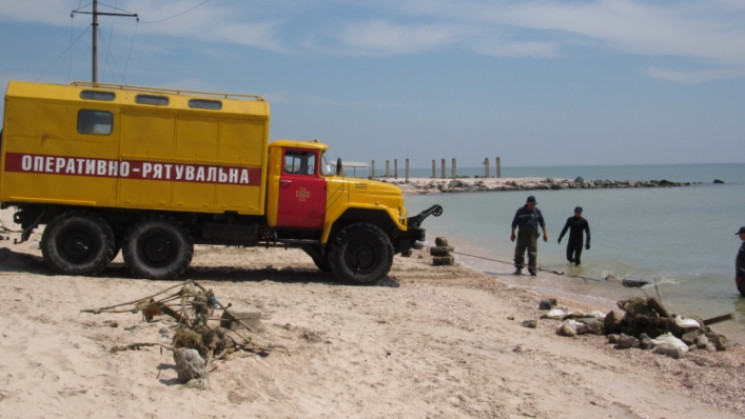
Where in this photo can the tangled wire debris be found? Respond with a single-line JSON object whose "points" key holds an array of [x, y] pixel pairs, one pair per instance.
{"points": [[196, 344]]}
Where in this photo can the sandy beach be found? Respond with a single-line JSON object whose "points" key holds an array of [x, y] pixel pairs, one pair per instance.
{"points": [[428, 342]]}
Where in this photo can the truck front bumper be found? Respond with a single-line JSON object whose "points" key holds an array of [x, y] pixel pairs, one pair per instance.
{"points": [[415, 232]]}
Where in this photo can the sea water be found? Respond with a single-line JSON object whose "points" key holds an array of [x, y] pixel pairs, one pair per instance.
{"points": [[680, 239]]}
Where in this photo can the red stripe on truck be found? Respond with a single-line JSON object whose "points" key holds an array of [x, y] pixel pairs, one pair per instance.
{"points": [[132, 169]]}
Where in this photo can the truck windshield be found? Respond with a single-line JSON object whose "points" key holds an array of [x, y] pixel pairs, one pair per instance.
{"points": [[327, 169]]}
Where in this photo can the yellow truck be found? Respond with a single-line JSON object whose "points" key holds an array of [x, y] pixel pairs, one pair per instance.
{"points": [[152, 171]]}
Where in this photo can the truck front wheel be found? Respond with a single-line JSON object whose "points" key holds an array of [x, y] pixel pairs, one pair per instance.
{"points": [[78, 243], [361, 254], [158, 247]]}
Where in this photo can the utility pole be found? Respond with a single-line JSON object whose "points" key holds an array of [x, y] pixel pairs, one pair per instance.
{"points": [[95, 14]]}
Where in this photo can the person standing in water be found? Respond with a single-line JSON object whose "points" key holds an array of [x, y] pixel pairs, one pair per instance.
{"points": [[577, 226], [527, 220], [740, 263]]}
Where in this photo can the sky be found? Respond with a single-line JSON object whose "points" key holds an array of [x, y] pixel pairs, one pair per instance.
{"points": [[534, 82]]}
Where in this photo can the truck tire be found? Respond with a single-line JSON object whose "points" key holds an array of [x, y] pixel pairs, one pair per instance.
{"points": [[319, 259], [361, 254], [78, 243], [158, 247]]}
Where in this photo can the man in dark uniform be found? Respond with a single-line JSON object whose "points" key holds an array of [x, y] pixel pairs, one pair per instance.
{"points": [[527, 219], [576, 226], [740, 264]]}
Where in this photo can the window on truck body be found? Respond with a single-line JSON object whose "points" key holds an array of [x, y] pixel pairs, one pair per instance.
{"points": [[97, 95], [151, 100], [95, 122], [215, 105]]}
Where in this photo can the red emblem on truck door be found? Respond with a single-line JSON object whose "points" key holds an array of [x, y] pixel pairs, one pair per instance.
{"points": [[302, 194]]}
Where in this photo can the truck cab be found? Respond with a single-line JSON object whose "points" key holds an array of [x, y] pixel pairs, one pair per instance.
{"points": [[351, 226]]}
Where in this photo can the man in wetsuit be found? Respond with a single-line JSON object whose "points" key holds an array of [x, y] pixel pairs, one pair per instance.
{"points": [[740, 264], [576, 226], [527, 218]]}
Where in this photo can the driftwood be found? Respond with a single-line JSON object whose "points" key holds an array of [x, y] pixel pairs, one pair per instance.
{"points": [[193, 307], [719, 319]]}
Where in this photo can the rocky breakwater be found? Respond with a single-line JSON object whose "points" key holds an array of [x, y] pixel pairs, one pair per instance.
{"points": [[425, 185]]}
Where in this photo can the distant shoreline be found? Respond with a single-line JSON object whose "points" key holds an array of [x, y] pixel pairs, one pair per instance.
{"points": [[415, 186]]}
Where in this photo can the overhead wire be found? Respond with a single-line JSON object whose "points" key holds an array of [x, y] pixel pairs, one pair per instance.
{"points": [[109, 58], [179, 14], [69, 48]]}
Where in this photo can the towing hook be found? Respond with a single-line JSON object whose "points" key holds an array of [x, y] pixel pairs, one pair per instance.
{"points": [[416, 220]]}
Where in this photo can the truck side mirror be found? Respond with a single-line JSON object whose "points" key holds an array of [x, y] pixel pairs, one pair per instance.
{"points": [[338, 167]]}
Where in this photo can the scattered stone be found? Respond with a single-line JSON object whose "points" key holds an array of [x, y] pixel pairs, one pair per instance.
{"points": [[669, 345], [593, 325], [232, 319], [558, 313], [645, 342], [443, 260], [531, 324], [719, 341], [686, 324], [624, 341], [569, 328], [547, 304], [692, 336], [189, 364], [612, 323], [440, 250]]}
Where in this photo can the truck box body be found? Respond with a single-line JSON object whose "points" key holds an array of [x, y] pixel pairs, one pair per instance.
{"points": [[157, 149]]}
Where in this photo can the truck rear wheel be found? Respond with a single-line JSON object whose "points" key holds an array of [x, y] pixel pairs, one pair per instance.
{"points": [[78, 243], [361, 254], [158, 247]]}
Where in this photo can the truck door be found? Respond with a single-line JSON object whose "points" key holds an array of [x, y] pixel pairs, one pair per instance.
{"points": [[302, 192]]}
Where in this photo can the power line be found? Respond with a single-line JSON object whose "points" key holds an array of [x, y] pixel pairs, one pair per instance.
{"points": [[179, 14], [69, 48]]}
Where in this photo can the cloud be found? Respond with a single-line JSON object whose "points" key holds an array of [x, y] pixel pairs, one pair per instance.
{"points": [[706, 32], [55, 12], [693, 76], [502, 48], [710, 33], [384, 37]]}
